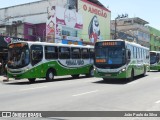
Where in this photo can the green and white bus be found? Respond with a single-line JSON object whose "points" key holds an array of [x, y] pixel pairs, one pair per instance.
{"points": [[120, 59], [155, 60], [33, 60]]}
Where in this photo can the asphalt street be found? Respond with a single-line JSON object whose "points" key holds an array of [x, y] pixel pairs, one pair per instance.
{"points": [[83, 94]]}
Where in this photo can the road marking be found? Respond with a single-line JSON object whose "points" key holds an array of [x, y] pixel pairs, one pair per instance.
{"points": [[33, 88], [157, 101], [86, 93]]}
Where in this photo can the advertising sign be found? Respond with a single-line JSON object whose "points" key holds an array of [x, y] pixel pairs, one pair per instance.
{"points": [[96, 22], [69, 18], [60, 17]]}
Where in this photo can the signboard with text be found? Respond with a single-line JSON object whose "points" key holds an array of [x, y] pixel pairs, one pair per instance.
{"points": [[96, 22]]}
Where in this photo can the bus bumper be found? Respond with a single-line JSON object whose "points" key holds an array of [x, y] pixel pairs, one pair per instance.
{"points": [[110, 75], [16, 76], [154, 67]]}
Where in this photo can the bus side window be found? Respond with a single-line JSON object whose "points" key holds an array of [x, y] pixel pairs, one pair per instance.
{"points": [[91, 52], [85, 53], [51, 52], [64, 52], [75, 53], [36, 53]]}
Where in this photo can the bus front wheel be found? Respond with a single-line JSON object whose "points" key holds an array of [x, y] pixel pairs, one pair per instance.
{"points": [[132, 75], [91, 73], [49, 75], [31, 80], [144, 73]]}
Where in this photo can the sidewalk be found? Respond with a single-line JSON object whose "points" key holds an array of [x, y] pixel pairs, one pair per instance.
{"points": [[3, 77]]}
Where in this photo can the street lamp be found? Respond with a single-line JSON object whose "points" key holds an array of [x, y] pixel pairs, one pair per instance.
{"points": [[118, 17]]}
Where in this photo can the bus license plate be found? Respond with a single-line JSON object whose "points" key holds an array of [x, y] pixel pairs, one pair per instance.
{"points": [[107, 75]]}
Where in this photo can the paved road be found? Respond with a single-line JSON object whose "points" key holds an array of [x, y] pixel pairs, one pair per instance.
{"points": [[83, 94]]}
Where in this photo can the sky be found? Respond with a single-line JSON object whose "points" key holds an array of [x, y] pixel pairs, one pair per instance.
{"points": [[147, 10]]}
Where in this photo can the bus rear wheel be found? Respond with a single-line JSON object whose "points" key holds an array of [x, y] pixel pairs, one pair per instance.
{"points": [[49, 75], [31, 80], [75, 76]]}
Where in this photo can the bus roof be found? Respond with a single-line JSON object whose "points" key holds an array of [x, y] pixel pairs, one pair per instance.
{"points": [[131, 43], [54, 44], [155, 51]]}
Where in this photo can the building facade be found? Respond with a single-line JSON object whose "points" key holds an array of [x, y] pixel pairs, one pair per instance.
{"points": [[82, 21], [136, 27], [154, 39], [65, 21]]}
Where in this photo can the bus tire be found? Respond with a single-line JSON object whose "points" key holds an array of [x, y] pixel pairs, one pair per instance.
{"points": [[75, 76], [144, 73], [50, 75], [105, 79], [31, 80], [132, 75], [91, 72]]}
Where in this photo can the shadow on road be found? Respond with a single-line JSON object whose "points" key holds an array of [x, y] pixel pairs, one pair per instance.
{"points": [[21, 82], [118, 81]]}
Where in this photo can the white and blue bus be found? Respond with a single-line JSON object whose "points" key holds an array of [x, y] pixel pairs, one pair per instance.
{"points": [[120, 59], [155, 60]]}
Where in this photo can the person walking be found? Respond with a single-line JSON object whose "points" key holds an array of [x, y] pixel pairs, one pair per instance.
{"points": [[7, 78]]}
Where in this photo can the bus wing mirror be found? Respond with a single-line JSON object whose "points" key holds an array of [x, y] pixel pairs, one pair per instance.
{"points": [[33, 55], [128, 54]]}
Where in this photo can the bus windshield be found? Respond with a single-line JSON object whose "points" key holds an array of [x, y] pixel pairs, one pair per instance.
{"points": [[153, 58], [111, 57], [18, 55]]}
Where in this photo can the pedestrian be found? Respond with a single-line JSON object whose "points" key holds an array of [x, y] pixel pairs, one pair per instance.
{"points": [[7, 78], [0, 68]]}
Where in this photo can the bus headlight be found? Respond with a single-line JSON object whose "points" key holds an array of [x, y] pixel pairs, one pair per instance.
{"points": [[95, 69], [26, 69], [124, 69]]}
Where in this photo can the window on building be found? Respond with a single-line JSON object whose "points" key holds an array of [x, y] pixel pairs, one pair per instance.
{"points": [[72, 4], [30, 31], [128, 22]]}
